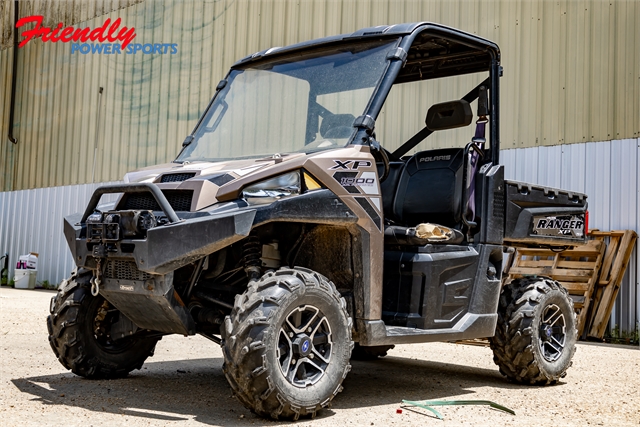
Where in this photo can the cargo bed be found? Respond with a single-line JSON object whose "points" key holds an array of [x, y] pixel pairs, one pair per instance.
{"points": [[539, 215]]}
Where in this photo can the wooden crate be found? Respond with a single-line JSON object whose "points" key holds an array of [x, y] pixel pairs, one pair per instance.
{"points": [[576, 269], [619, 248]]}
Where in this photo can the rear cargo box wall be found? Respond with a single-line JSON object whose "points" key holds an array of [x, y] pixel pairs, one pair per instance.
{"points": [[608, 173]]}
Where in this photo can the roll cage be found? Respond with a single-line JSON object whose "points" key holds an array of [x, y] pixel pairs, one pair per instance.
{"points": [[424, 51]]}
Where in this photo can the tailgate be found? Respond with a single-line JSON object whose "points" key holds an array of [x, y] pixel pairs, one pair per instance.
{"points": [[535, 214]]}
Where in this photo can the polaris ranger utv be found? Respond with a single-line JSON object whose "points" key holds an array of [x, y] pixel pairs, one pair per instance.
{"points": [[285, 232]]}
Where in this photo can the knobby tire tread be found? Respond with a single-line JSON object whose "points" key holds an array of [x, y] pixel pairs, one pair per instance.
{"points": [[245, 361], [513, 343], [69, 340]]}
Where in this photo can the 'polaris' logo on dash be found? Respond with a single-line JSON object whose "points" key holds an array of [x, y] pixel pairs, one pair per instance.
{"points": [[435, 158]]}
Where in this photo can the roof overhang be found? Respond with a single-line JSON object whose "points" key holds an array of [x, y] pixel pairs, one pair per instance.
{"points": [[436, 50]]}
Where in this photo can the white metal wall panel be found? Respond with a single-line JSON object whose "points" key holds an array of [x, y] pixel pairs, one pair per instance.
{"points": [[31, 221], [608, 172]]}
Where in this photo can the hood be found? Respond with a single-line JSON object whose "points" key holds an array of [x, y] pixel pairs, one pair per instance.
{"points": [[212, 182]]}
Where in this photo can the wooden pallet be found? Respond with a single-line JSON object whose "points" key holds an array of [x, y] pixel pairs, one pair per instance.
{"points": [[576, 269], [616, 259]]}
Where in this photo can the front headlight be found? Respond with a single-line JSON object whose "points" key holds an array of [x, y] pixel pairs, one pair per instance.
{"points": [[272, 189]]}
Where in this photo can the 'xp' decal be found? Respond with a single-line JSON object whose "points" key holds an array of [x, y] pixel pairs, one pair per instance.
{"points": [[350, 164], [566, 225]]}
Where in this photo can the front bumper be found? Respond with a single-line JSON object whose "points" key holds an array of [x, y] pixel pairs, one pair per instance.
{"points": [[137, 274], [181, 241]]}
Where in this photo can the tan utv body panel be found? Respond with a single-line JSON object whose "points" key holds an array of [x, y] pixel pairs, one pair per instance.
{"points": [[348, 172], [363, 197]]}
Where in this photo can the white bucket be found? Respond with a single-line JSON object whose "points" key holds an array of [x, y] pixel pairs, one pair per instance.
{"points": [[25, 279]]}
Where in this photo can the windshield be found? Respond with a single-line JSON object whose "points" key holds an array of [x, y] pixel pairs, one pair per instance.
{"points": [[302, 104]]}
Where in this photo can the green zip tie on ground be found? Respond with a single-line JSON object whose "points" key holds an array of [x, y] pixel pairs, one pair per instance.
{"points": [[427, 404]]}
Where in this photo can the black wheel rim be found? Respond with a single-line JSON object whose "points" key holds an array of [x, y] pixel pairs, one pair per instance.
{"points": [[552, 333], [304, 346]]}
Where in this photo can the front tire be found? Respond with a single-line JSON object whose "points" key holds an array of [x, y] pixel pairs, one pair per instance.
{"points": [[79, 326], [536, 333], [287, 344]]}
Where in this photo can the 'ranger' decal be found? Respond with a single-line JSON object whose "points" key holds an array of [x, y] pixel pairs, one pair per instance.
{"points": [[566, 225], [559, 223]]}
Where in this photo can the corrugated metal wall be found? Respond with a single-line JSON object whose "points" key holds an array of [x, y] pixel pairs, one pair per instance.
{"points": [[53, 11], [68, 11], [572, 74], [608, 172], [6, 171], [32, 221]]}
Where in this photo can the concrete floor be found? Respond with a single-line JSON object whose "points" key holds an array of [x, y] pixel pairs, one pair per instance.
{"points": [[183, 384]]}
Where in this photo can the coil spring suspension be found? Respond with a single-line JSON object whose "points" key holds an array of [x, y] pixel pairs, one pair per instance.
{"points": [[251, 253]]}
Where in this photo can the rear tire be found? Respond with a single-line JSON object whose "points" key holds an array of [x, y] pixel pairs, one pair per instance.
{"points": [[287, 344], [536, 334], [78, 333]]}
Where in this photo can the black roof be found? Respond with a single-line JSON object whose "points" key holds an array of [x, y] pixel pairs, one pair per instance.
{"points": [[382, 31]]}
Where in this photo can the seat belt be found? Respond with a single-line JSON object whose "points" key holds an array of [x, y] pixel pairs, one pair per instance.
{"points": [[475, 151]]}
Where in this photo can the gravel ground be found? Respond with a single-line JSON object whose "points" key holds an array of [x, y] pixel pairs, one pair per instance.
{"points": [[183, 384]]}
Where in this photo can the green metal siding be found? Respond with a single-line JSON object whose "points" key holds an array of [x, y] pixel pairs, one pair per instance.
{"points": [[572, 74], [54, 11]]}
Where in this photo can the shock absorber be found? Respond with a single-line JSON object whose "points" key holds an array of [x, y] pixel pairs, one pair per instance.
{"points": [[251, 252]]}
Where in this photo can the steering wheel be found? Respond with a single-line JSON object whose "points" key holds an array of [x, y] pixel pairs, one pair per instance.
{"points": [[380, 155]]}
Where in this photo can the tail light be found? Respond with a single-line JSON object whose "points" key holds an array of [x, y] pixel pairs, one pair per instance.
{"points": [[586, 223]]}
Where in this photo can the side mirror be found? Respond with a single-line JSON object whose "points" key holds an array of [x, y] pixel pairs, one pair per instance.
{"points": [[449, 115], [188, 140]]}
